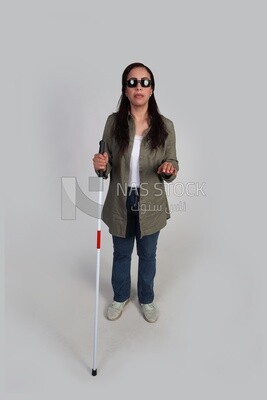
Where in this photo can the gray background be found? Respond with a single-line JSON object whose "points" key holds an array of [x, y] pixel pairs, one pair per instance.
{"points": [[62, 69]]}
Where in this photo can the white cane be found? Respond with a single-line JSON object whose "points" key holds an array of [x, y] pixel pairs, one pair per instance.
{"points": [[98, 247]]}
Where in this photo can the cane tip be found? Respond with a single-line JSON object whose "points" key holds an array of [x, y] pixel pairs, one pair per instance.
{"points": [[94, 372]]}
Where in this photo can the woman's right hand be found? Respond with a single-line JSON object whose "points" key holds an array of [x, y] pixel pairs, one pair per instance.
{"points": [[100, 161]]}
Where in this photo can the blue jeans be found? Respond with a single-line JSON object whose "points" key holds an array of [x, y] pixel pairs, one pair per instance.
{"points": [[146, 251]]}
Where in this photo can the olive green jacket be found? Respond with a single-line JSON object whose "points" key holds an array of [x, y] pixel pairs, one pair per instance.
{"points": [[153, 206]]}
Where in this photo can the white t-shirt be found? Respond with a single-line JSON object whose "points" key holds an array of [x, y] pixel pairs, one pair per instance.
{"points": [[134, 177]]}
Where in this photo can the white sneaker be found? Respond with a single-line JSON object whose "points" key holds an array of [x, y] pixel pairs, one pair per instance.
{"points": [[115, 309], [150, 312]]}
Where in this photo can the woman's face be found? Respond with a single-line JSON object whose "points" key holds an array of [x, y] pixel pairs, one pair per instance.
{"points": [[139, 95]]}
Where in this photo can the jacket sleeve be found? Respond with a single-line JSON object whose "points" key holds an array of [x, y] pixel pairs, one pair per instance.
{"points": [[107, 138], [170, 151]]}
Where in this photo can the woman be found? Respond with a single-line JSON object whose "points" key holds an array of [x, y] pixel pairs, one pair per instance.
{"points": [[140, 154]]}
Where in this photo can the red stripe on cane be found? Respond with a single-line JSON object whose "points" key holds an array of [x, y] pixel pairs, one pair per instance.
{"points": [[98, 240]]}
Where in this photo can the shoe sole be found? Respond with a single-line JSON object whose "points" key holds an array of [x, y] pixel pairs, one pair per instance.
{"points": [[114, 319], [147, 320]]}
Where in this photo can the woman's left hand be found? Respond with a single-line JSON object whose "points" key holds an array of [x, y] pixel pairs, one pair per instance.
{"points": [[167, 168]]}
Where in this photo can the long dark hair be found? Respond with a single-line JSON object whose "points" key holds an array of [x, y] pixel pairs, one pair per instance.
{"points": [[157, 134]]}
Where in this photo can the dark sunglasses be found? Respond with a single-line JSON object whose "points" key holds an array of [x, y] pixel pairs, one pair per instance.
{"points": [[131, 83]]}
